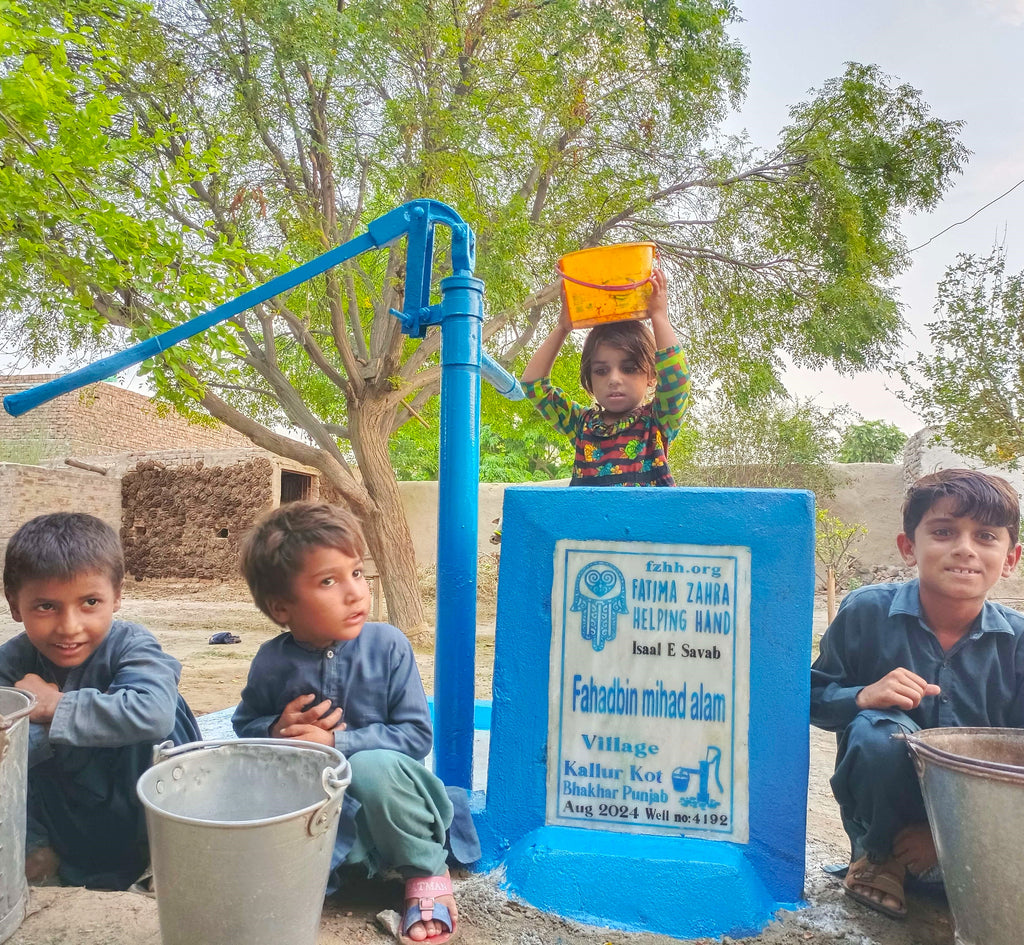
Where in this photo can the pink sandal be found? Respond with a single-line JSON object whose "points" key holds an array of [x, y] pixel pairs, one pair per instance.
{"points": [[425, 890]]}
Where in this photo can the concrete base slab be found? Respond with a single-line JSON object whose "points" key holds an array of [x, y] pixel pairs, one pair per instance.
{"points": [[676, 886]]}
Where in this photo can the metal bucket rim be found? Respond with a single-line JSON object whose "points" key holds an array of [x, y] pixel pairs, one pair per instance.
{"points": [[918, 744], [8, 721], [279, 744]]}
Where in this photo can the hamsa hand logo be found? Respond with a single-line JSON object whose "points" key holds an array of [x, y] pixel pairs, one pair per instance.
{"points": [[600, 597]]}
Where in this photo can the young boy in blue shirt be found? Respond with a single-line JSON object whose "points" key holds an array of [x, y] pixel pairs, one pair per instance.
{"points": [[333, 678], [903, 657], [105, 692]]}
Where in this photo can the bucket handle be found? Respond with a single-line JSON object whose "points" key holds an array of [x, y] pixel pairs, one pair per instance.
{"points": [[334, 780], [913, 749], [628, 287], [7, 721], [921, 752]]}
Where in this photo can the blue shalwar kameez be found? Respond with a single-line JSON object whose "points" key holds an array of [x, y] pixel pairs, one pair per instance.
{"points": [[396, 814], [83, 766], [880, 628]]}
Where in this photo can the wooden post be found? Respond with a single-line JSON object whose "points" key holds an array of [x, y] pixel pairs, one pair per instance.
{"points": [[78, 464], [831, 591]]}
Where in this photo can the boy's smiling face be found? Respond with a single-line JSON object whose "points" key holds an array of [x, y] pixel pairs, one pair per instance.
{"points": [[958, 557], [66, 619], [329, 599]]}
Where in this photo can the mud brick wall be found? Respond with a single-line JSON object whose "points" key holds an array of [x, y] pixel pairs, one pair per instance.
{"points": [[99, 420], [328, 493], [28, 491], [186, 521]]}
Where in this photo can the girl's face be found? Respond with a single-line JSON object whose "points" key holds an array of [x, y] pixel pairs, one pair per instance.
{"points": [[618, 383]]}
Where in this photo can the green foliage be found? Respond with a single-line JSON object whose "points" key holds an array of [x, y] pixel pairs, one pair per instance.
{"points": [[141, 193], [777, 444], [805, 242], [516, 443], [159, 159], [529, 455], [972, 383], [871, 441], [414, 446], [833, 543]]}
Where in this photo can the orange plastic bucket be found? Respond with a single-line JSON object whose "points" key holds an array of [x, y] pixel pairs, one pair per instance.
{"points": [[607, 283]]}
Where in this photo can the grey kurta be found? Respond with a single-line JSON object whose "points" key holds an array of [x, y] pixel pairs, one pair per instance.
{"points": [[375, 681], [83, 766]]}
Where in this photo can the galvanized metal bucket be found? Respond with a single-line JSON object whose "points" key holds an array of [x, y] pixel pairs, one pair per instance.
{"points": [[973, 785], [241, 834], [15, 707]]}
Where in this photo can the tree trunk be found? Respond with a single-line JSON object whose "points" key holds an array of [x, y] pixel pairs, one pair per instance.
{"points": [[377, 500], [830, 589], [387, 530]]}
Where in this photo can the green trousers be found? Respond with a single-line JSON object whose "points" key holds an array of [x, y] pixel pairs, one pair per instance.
{"points": [[403, 815]]}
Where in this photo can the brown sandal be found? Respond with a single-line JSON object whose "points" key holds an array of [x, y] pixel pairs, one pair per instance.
{"points": [[887, 878]]}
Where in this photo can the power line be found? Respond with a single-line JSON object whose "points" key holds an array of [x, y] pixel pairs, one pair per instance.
{"points": [[971, 217]]}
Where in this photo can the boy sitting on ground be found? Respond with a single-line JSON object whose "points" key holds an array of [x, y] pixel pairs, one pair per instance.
{"points": [[333, 678], [903, 657], [105, 692]]}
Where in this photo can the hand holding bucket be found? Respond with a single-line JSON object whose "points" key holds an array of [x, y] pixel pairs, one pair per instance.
{"points": [[607, 283]]}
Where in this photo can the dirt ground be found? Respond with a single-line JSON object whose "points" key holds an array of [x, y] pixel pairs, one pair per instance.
{"points": [[184, 616]]}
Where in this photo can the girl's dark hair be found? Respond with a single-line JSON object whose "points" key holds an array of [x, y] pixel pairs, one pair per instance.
{"points": [[987, 499], [633, 337], [62, 545], [273, 552]]}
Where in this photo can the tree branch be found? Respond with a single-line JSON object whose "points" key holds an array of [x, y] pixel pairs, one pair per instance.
{"points": [[355, 494]]}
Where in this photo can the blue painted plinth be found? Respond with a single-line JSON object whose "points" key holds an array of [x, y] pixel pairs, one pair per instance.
{"points": [[679, 887], [684, 885]]}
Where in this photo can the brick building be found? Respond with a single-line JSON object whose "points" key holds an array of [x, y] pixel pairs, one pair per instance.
{"points": [[179, 493], [100, 420], [27, 491]]}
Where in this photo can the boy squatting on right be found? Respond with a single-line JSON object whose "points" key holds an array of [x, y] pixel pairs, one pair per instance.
{"points": [[928, 653], [333, 678]]}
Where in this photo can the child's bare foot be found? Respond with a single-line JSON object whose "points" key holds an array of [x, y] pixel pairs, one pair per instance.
{"points": [[914, 847], [430, 914], [41, 865]]}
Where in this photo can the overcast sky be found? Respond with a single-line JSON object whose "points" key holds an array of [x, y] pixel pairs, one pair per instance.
{"points": [[965, 57]]}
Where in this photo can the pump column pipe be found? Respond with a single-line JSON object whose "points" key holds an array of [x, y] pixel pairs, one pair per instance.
{"points": [[459, 476]]}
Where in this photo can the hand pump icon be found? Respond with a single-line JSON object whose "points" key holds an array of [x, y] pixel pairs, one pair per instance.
{"points": [[681, 777]]}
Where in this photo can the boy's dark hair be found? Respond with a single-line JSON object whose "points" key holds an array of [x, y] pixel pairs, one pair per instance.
{"points": [[988, 499], [61, 545], [273, 551], [633, 337]]}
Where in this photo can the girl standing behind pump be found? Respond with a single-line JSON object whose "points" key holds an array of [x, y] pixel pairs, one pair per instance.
{"points": [[623, 440]]}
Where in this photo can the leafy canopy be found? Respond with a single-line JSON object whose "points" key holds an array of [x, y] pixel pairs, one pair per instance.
{"points": [[971, 385], [782, 443], [871, 441], [159, 159]]}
